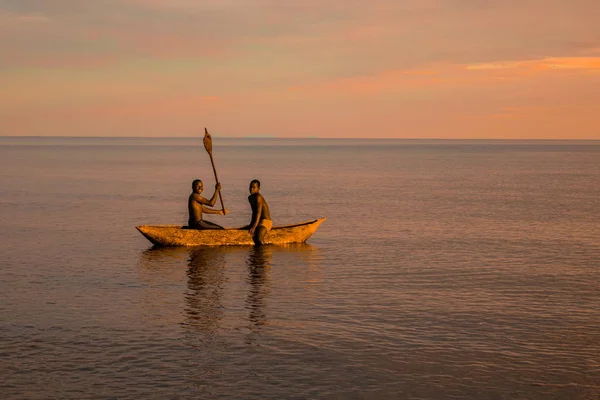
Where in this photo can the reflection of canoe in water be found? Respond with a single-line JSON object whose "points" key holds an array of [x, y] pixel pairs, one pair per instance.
{"points": [[176, 235]]}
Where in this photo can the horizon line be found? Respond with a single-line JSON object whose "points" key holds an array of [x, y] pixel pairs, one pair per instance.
{"points": [[293, 138]]}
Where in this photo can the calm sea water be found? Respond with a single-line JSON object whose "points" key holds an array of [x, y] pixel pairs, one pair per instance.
{"points": [[445, 270]]}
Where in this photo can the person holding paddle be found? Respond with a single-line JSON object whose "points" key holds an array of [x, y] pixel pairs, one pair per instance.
{"points": [[197, 205], [261, 222]]}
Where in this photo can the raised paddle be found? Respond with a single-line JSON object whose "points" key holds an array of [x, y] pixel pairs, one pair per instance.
{"points": [[208, 146]]}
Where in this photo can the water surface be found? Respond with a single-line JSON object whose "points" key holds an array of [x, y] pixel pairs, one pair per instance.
{"points": [[445, 270]]}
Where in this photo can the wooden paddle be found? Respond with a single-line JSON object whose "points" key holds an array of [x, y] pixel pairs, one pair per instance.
{"points": [[208, 146]]}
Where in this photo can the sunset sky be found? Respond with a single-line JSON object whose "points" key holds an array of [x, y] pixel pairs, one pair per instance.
{"points": [[302, 68]]}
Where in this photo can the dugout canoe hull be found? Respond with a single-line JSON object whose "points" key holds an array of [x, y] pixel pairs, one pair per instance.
{"points": [[177, 235]]}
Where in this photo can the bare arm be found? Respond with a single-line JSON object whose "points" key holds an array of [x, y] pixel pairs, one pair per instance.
{"points": [[256, 214], [213, 211], [213, 199]]}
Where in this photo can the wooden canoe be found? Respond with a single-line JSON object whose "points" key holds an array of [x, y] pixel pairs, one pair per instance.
{"points": [[177, 235]]}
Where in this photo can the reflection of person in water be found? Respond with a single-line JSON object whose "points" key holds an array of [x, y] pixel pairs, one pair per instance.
{"points": [[205, 282], [259, 264]]}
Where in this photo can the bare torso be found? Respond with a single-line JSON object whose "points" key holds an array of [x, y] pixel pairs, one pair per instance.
{"points": [[198, 205], [260, 208], [195, 209]]}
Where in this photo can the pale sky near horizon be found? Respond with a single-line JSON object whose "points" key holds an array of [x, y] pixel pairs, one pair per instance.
{"points": [[514, 69]]}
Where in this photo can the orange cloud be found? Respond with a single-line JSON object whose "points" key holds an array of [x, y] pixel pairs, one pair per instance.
{"points": [[545, 64], [449, 75]]}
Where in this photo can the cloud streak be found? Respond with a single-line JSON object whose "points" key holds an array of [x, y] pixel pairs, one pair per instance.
{"points": [[448, 76], [545, 64]]}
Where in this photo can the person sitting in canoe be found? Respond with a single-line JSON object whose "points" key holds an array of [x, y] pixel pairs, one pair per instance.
{"points": [[197, 205], [261, 222]]}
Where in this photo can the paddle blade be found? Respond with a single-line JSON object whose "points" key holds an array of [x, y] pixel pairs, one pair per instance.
{"points": [[207, 141]]}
